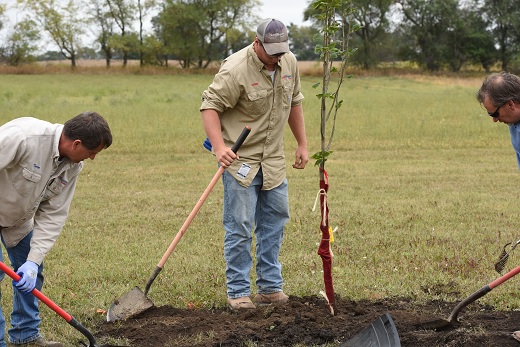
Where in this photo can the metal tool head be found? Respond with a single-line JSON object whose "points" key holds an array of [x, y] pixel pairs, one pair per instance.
{"points": [[504, 256], [380, 333], [129, 305]]}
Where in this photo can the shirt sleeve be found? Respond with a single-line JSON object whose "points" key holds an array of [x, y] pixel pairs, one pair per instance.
{"points": [[49, 221], [297, 97], [222, 94]]}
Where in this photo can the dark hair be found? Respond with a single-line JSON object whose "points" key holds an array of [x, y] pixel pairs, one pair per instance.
{"points": [[90, 128], [500, 88]]}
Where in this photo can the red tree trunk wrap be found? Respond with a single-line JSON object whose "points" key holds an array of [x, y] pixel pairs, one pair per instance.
{"points": [[324, 248]]}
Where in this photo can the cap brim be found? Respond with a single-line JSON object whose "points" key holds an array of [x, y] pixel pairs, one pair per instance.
{"points": [[276, 47]]}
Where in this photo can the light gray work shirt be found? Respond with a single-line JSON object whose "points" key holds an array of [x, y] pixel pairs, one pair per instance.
{"points": [[36, 185]]}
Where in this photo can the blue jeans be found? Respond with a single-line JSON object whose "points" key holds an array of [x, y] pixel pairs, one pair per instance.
{"points": [[265, 210], [25, 317]]}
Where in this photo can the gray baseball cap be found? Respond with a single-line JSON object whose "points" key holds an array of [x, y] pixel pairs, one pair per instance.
{"points": [[273, 35]]}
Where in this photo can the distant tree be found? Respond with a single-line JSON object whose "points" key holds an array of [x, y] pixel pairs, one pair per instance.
{"points": [[103, 27], [303, 42], [503, 18], [154, 51], [89, 53], [159, 24], [21, 43], [195, 30], [222, 16], [49, 56], [455, 53], [122, 12], [237, 39], [397, 45], [2, 11], [59, 19], [371, 17], [431, 22], [143, 8], [479, 42], [177, 25], [125, 47]]}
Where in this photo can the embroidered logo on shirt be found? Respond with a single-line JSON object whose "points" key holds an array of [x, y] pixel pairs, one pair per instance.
{"points": [[37, 167], [254, 84], [287, 76], [243, 171]]}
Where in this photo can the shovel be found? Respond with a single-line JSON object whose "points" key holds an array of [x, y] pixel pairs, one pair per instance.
{"points": [[71, 320], [452, 321], [135, 301], [380, 333]]}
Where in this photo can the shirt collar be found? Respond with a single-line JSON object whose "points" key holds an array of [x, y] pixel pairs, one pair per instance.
{"points": [[55, 145], [256, 60]]}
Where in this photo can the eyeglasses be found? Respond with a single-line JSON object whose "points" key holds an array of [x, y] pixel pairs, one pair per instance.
{"points": [[496, 113], [277, 55]]}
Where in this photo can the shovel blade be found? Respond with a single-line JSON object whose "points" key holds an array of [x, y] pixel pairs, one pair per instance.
{"points": [[380, 333], [128, 305]]}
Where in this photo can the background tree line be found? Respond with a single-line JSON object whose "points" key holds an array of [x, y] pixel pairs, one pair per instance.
{"points": [[435, 34]]}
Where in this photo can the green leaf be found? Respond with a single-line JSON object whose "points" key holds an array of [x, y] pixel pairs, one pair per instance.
{"points": [[321, 157]]}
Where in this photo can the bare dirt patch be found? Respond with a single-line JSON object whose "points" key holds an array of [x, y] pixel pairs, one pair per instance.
{"points": [[305, 321]]}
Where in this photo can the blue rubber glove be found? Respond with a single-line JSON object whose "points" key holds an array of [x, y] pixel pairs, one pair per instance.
{"points": [[207, 144], [29, 273]]}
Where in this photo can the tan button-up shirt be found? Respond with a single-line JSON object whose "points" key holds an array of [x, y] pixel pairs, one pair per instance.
{"points": [[244, 94], [36, 187]]}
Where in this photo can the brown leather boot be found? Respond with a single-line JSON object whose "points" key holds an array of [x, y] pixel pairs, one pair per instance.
{"points": [[278, 298]]}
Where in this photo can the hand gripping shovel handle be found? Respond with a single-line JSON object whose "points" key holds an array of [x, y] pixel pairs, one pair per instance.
{"points": [[71, 320], [196, 209], [481, 292]]}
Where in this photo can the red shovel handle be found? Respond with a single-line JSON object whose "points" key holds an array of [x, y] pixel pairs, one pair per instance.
{"points": [[71, 320], [504, 278], [37, 293]]}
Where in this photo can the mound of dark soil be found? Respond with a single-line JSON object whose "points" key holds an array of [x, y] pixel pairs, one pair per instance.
{"points": [[306, 321]]}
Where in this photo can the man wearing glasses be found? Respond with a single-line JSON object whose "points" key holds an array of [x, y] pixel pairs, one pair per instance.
{"points": [[500, 96], [258, 86]]}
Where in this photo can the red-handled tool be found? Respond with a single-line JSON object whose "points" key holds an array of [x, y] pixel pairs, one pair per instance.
{"points": [[452, 321], [71, 320]]}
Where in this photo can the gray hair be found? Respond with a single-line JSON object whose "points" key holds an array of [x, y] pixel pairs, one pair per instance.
{"points": [[500, 88]]}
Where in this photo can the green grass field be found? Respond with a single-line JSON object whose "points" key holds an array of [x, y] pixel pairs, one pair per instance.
{"points": [[422, 190]]}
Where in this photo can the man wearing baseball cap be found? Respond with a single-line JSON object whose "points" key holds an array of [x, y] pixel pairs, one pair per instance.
{"points": [[258, 86]]}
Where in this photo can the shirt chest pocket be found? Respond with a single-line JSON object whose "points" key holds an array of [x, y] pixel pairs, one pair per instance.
{"points": [[26, 182], [54, 188], [256, 102]]}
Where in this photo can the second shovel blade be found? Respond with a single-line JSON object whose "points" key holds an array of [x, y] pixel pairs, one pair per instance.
{"points": [[128, 305]]}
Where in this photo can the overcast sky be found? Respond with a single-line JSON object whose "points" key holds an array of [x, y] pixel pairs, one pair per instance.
{"points": [[288, 11]]}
